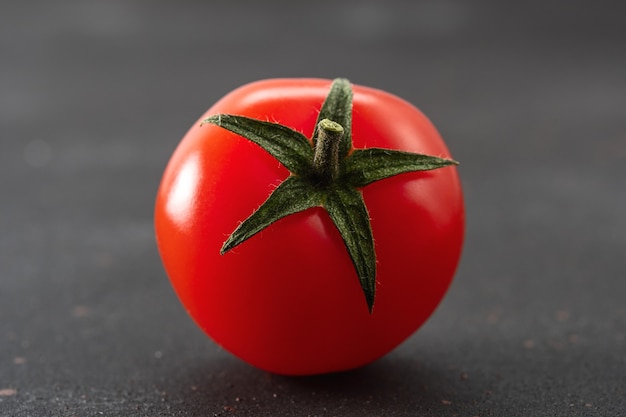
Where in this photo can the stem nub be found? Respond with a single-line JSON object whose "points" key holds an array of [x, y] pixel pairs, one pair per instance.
{"points": [[326, 156]]}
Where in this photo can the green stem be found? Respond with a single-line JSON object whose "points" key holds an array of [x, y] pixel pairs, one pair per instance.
{"points": [[328, 173], [326, 157]]}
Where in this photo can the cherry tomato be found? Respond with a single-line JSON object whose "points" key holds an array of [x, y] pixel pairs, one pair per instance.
{"points": [[288, 299]]}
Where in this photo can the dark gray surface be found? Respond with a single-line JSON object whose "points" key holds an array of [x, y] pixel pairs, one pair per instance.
{"points": [[530, 96]]}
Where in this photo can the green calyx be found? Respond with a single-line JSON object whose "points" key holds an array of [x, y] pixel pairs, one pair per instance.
{"points": [[325, 172]]}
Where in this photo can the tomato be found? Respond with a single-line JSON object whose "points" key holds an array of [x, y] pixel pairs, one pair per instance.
{"points": [[289, 299]]}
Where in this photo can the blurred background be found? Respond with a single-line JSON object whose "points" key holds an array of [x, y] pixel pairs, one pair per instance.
{"points": [[529, 96]]}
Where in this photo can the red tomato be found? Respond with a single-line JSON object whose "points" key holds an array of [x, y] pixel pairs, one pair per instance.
{"points": [[287, 300]]}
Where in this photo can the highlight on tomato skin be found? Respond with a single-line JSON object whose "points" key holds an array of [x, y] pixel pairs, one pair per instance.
{"points": [[310, 226]]}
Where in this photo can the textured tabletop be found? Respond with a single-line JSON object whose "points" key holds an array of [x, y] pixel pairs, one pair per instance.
{"points": [[529, 96]]}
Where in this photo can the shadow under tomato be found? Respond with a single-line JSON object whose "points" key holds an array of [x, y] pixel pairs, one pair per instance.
{"points": [[391, 386]]}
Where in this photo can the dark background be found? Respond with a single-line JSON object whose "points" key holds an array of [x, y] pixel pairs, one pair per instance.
{"points": [[530, 97]]}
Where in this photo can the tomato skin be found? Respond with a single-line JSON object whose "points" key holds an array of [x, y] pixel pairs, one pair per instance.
{"points": [[288, 300]]}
